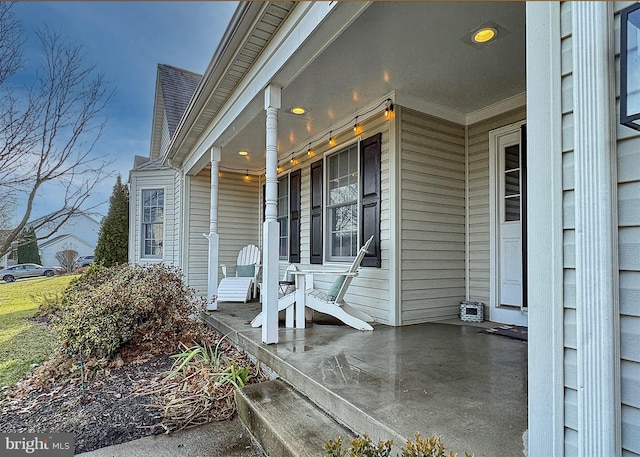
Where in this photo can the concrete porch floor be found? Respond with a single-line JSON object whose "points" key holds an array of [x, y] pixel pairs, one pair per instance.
{"points": [[449, 380]]}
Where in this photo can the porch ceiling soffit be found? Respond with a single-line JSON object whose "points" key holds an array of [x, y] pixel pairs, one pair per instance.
{"points": [[249, 31], [427, 66], [302, 36]]}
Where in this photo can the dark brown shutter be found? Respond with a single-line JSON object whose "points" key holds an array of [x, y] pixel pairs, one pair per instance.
{"points": [[295, 183], [316, 212], [264, 202], [523, 208], [370, 154]]}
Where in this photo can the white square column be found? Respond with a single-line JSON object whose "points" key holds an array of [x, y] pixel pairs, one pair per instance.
{"points": [[271, 228]]}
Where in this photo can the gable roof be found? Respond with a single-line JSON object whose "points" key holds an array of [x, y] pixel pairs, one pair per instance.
{"points": [[68, 236], [77, 214], [174, 89]]}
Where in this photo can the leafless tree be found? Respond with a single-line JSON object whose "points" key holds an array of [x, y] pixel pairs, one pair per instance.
{"points": [[66, 257], [48, 129]]}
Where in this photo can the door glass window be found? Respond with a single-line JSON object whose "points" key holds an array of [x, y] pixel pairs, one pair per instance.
{"points": [[512, 183]]}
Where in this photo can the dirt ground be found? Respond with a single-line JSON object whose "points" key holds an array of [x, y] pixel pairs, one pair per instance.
{"points": [[108, 409]]}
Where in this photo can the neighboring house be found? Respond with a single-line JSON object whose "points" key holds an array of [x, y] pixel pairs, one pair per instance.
{"points": [[493, 172], [10, 257], [49, 249], [79, 232]]}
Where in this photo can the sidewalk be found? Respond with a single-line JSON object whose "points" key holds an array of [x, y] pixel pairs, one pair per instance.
{"points": [[217, 439]]}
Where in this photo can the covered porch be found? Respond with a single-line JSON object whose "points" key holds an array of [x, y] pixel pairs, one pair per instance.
{"points": [[438, 378]]}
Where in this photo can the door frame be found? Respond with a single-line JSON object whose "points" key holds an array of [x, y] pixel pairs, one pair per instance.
{"points": [[515, 317]]}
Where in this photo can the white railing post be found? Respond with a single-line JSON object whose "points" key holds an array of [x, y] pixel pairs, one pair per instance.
{"points": [[212, 236], [270, 227]]}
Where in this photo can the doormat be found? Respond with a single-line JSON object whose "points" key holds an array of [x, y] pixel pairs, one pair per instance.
{"points": [[510, 331]]}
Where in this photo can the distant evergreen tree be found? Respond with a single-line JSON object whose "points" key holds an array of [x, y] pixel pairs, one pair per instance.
{"points": [[113, 238], [28, 248]]}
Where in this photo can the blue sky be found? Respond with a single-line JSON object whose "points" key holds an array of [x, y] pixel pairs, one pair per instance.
{"points": [[126, 41]]}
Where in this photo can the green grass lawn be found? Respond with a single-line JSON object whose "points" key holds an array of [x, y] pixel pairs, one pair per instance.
{"points": [[23, 343]]}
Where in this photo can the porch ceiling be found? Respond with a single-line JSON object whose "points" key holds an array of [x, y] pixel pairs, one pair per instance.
{"points": [[415, 49]]}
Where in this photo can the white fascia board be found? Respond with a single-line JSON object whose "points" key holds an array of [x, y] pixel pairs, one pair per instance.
{"points": [[325, 20]]}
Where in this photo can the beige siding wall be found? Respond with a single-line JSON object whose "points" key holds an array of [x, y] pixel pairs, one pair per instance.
{"points": [[628, 190], [478, 202], [239, 216], [370, 290], [153, 179], [570, 364], [432, 217], [166, 137], [628, 161], [238, 222]]}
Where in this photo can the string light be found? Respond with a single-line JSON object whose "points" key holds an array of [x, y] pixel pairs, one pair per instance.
{"points": [[389, 108]]}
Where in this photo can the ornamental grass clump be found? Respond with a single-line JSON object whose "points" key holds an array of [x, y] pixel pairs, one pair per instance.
{"points": [[143, 306], [364, 447]]}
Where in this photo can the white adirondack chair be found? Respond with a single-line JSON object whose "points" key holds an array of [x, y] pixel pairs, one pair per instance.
{"points": [[244, 285], [331, 302]]}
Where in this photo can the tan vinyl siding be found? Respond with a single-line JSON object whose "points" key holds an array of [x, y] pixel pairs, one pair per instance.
{"points": [[628, 206], [628, 169], [166, 137], [238, 216], [478, 202], [432, 165], [568, 210], [198, 204], [155, 179], [177, 225], [370, 290]]}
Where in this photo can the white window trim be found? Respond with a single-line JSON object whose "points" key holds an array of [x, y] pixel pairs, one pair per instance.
{"points": [[326, 233], [288, 176], [143, 256]]}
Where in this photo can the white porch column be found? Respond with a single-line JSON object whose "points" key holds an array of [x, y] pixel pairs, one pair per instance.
{"points": [[212, 236], [597, 313], [271, 229]]}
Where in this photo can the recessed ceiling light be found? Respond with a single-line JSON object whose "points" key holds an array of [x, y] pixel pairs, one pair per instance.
{"points": [[243, 153], [298, 110], [484, 35]]}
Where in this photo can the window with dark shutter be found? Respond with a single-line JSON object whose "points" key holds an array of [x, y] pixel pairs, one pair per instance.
{"points": [[316, 212], [295, 183], [370, 156]]}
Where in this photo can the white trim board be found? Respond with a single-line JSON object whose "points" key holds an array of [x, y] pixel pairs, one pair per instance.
{"points": [[545, 272]]}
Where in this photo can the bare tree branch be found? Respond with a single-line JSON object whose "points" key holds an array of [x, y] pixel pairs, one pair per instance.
{"points": [[48, 131]]}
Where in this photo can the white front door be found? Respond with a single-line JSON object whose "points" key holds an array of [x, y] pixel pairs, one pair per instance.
{"points": [[507, 197]]}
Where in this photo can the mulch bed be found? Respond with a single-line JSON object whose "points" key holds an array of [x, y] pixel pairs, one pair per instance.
{"points": [[107, 409]]}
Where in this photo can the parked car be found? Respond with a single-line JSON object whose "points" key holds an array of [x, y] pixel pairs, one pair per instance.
{"points": [[82, 261], [26, 270]]}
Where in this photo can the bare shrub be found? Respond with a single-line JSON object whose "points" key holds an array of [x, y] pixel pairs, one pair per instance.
{"points": [[147, 308]]}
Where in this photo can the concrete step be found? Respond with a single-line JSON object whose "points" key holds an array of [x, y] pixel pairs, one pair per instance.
{"points": [[284, 422], [327, 400]]}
